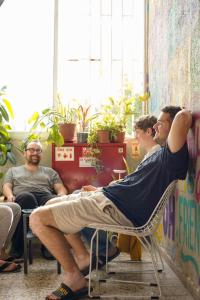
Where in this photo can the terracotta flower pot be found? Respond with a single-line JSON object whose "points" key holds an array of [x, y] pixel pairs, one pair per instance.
{"points": [[103, 136], [68, 131], [119, 138]]}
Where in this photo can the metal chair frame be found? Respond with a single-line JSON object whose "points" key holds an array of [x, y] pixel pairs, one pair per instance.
{"points": [[145, 234]]}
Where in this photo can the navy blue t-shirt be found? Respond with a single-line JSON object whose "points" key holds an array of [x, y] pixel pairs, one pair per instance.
{"points": [[137, 194]]}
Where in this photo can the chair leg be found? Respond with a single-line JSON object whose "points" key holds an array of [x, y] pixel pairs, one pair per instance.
{"points": [[25, 245], [30, 256], [90, 268], [156, 246], [155, 267], [150, 246], [107, 237]]}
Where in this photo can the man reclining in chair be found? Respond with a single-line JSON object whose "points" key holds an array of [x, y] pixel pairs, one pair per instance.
{"points": [[129, 202]]}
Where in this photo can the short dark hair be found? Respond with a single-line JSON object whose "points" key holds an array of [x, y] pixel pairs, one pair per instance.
{"points": [[146, 122], [171, 110]]}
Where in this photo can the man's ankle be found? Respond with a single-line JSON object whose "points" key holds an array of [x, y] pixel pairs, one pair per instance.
{"points": [[75, 281]]}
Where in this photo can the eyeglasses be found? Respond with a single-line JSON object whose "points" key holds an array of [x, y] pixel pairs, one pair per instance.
{"points": [[32, 150]]}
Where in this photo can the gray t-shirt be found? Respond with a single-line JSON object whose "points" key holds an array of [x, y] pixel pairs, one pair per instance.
{"points": [[40, 181]]}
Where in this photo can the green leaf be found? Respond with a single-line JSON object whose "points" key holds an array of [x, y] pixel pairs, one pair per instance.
{"points": [[11, 157], [3, 90], [33, 118], [7, 127], [3, 148], [9, 107], [45, 111], [55, 136], [3, 158], [4, 113], [8, 146], [4, 133], [29, 138], [42, 125]]}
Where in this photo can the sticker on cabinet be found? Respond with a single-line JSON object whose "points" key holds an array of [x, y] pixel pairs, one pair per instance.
{"points": [[135, 149], [64, 153], [86, 162]]}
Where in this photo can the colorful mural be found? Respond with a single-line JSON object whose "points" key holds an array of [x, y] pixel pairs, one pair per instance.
{"points": [[174, 78]]}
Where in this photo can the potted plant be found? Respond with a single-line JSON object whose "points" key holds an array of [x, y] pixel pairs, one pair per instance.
{"points": [[84, 119], [48, 120], [67, 125], [58, 122], [99, 133], [106, 128], [6, 146], [115, 115], [120, 112]]}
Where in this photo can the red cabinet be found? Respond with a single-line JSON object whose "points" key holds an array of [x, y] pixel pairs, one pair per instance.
{"points": [[76, 169]]}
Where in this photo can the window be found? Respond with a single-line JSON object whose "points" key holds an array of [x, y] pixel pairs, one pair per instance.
{"points": [[26, 56], [100, 47]]}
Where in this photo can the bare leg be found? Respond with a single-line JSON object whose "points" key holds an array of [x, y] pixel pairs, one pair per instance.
{"points": [[81, 254], [44, 226]]}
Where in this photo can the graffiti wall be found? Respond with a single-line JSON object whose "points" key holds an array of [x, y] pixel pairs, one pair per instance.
{"points": [[174, 78]]}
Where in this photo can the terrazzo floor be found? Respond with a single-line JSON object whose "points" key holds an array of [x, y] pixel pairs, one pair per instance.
{"points": [[42, 278]]}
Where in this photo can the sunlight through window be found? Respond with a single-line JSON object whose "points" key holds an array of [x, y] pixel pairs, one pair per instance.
{"points": [[100, 48]]}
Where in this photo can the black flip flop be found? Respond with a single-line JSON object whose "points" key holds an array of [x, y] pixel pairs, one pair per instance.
{"points": [[6, 264], [65, 293], [14, 259]]}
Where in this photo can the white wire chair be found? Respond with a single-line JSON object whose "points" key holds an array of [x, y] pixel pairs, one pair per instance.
{"points": [[145, 234]]}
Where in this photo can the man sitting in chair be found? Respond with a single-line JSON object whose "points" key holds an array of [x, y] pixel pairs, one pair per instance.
{"points": [[129, 202], [30, 185]]}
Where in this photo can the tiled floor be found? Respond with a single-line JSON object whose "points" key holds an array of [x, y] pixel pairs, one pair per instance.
{"points": [[43, 278]]}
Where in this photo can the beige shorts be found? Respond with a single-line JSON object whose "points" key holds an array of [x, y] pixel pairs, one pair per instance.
{"points": [[75, 211]]}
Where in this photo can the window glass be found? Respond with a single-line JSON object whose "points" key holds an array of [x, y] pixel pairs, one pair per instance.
{"points": [[101, 47], [26, 56]]}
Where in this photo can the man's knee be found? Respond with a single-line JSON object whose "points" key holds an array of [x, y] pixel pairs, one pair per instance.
{"points": [[54, 200], [24, 195], [16, 209], [26, 200], [40, 217], [6, 214]]}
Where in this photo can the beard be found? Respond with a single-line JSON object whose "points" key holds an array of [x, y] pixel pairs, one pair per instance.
{"points": [[159, 140], [34, 160]]}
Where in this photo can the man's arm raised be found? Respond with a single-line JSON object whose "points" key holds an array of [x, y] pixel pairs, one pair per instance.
{"points": [[179, 130]]}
